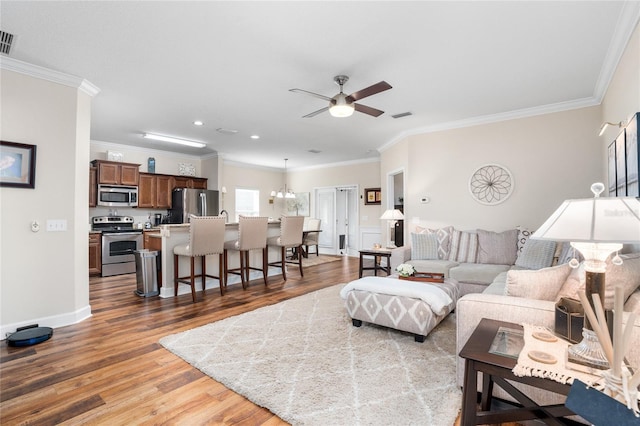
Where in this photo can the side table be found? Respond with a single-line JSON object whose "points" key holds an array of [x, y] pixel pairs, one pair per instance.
{"points": [[496, 369], [377, 266]]}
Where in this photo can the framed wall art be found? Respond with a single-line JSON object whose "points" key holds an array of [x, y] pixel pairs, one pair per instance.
{"points": [[622, 159], [17, 165], [372, 196]]}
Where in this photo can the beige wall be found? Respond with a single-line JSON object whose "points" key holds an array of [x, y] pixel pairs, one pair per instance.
{"points": [[166, 162], [622, 99], [263, 179], [44, 274], [364, 174], [551, 157]]}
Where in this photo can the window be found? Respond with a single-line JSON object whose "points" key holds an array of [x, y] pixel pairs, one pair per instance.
{"points": [[247, 202]]}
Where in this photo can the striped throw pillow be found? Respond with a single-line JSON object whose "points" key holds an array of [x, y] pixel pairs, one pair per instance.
{"points": [[464, 247]]}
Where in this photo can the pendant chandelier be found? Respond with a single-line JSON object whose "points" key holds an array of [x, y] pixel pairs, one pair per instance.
{"points": [[286, 193]]}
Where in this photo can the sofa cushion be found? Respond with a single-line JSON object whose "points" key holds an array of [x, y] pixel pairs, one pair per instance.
{"points": [[477, 273], [536, 254], [424, 246], [541, 284], [444, 239], [497, 247], [464, 246], [574, 282], [633, 303], [437, 266]]}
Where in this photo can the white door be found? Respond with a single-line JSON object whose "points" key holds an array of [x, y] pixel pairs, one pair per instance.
{"points": [[337, 208], [326, 212], [347, 220]]}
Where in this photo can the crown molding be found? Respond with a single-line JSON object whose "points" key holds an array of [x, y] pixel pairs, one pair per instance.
{"points": [[494, 118], [627, 22], [21, 67]]}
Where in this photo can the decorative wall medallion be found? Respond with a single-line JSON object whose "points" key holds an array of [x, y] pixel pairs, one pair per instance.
{"points": [[491, 184], [187, 169]]}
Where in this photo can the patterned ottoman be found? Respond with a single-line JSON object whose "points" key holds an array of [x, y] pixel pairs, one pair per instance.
{"points": [[411, 306]]}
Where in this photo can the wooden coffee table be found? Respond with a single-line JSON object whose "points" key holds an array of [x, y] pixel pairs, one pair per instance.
{"points": [[496, 368]]}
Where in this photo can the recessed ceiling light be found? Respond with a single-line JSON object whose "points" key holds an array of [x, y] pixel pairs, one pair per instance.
{"points": [[255, 137], [174, 140], [198, 123]]}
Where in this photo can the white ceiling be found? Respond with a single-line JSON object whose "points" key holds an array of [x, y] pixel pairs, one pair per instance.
{"points": [[162, 65]]}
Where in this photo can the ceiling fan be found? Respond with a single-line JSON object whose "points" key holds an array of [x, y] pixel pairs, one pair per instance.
{"points": [[342, 105]]}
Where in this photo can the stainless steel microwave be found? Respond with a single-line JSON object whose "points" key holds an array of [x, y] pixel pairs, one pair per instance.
{"points": [[117, 196]]}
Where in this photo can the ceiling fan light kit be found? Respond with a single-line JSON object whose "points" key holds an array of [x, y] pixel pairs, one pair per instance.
{"points": [[342, 105]]}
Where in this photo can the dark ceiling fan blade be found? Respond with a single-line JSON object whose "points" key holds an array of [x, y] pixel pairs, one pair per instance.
{"points": [[368, 110], [314, 113], [368, 91], [326, 98]]}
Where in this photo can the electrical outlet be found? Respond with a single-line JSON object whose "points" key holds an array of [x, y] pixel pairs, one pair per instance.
{"points": [[56, 225]]}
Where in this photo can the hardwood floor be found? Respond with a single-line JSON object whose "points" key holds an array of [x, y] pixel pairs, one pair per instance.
{"points": [[110, 369]]}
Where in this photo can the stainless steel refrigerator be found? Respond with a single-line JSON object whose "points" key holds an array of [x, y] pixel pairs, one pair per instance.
{"points": [[188, 201]]}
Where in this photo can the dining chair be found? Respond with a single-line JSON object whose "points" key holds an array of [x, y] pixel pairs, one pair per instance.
{"points": [[311, 239], [206, 237], [290, 238]]}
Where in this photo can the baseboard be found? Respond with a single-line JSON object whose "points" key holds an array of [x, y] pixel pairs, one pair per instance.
{"points": [[54, 321]]}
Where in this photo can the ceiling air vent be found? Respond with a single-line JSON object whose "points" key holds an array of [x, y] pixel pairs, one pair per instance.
{"points": [[315, 151], [5, 42], [402, 114]]}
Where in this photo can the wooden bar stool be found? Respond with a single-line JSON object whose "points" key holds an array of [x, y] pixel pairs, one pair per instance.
{"points": [[252, 235], [206, 237], [290, 237]]}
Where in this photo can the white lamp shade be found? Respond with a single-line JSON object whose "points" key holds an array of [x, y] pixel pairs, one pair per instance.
{"points": [[392, 215], [594, 220]]}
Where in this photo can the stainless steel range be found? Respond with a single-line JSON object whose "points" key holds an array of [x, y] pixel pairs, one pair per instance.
{"points": [[119, 241]]}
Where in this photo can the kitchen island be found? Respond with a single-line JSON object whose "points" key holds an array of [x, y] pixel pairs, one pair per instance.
{"points": [[170, 236]]}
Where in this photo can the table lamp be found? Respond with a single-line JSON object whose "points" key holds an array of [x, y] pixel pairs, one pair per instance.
{"points": [[596, 227], [392, 216]]}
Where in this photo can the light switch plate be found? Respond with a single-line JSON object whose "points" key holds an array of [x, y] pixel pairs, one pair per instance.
{"points": [[56, 225]]}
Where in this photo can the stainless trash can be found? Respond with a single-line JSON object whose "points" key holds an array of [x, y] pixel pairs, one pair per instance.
{"points": [[146, 273]]}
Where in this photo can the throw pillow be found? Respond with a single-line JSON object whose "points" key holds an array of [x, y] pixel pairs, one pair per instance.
{"points": [[626, 276], [536, 254], [424, 246], [523, 236], [444, 239], [541, 284], [575, 281], [497, 248], [464, 247]]}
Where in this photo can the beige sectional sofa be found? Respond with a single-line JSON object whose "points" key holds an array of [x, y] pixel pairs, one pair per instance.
{"points": [[514, 291]]}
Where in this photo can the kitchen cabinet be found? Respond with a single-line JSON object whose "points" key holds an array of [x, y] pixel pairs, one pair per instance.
{"points": [[152, 243], [93, 190], [189, 182], [117, 173], [154, 190], [95, 254]]}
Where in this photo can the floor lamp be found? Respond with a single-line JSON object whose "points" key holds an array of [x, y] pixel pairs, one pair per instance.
{"points": [[392, 216], [596, 227]]}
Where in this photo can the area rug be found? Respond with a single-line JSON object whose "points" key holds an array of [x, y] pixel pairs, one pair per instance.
{"points": [[304, 361], [314, 260]]}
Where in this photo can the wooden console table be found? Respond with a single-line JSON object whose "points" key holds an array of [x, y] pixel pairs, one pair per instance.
{"points": [[497, 369]]}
